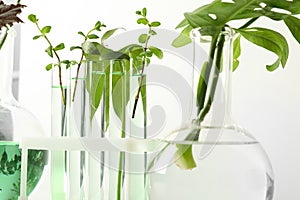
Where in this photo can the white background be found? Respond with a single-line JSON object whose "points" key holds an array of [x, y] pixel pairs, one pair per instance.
{"points": [[265, 103]]}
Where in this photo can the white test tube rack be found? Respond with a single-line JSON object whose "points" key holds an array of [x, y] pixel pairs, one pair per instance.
{"points": [[130, 145]]}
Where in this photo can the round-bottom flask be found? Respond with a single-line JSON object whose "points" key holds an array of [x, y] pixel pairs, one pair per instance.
{"points": [[15, 122]]}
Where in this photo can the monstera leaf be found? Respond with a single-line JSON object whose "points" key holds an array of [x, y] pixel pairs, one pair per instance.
{"points": [[8, 14]]}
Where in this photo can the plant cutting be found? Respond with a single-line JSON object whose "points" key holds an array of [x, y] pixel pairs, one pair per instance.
{"points": [[140, 55], [93, 51], [212, 19], [222, 25], [61, 113], [230, 151]]}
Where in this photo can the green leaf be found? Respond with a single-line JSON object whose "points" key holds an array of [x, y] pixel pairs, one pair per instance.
{"points": [[270, 40], [92, 36], [135, 52], [152, 32], [37, 37], [75, 47], [46, 29], [184, 157], [155, 24], [184, 37], [97, 25], [96, 51], [119, 89], [49, 51], [223, 12], [273, 66], [157, 52], [59, 47], [97, 85], [144, 12], [236, 52], [138, 12], [81, 33], [143, 38], [142, 21], [32, 18], [293, 23], [291, 6], [109, 33], [48, 67]]}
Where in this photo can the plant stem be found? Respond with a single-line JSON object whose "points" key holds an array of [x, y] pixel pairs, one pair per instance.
{"points": [[79, 65], [142, 72], [207, 107], [58, 63], [248, 23], [77, 75], [4, 38], [121, 171], [201, 101]]}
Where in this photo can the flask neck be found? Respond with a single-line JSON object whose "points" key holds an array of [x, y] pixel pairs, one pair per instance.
{"points": [[216, 110], [6, 64]]}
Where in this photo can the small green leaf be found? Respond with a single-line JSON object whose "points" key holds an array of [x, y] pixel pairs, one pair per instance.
{"points": [[133, 53], [236, 52], [49, 51], [59, 47], [144, 12], [148, 53], [157, 52], [109, 33], [270, 40], [273, 66], [81, 33], [293, 23], [75, 47], [92, 36], [46, 29], [32, 18], [138, 12], [49, 67], [152, 32], [37, 37], [98, 25], [142, 21], [155, 24], [143, 38]]}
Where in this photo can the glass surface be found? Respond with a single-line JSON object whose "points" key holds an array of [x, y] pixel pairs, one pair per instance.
{"points": [[10, 169], [16, 122], [230, 164], [212, 158]]}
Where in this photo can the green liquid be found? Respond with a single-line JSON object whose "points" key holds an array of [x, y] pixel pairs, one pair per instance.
{"points": [[10, 169]]}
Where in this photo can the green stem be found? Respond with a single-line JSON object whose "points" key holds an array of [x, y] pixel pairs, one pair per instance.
{"points": [[249, 23], [58, 63], [79, 65], [121, 170], [202, 91], [120, 175], [142, 72], [217, 70], [4, 38]]}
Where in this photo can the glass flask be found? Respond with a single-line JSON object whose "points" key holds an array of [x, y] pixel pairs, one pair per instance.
{"points": [[212, 158], [15, 122]]}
